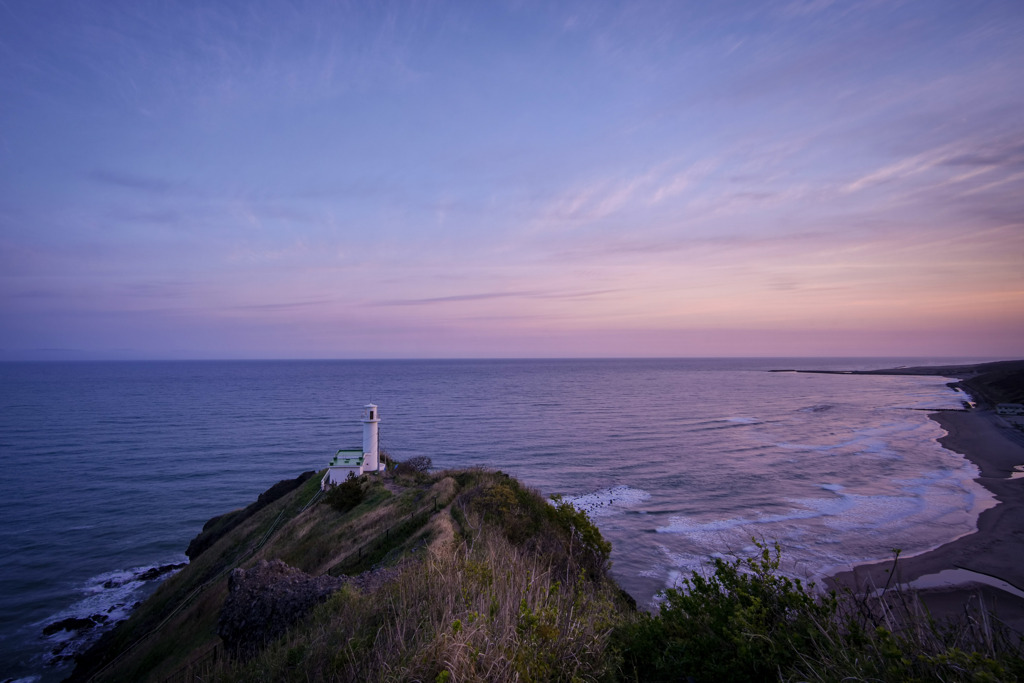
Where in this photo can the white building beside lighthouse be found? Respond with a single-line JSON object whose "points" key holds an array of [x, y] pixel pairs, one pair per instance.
{"points": [[357, 461]]}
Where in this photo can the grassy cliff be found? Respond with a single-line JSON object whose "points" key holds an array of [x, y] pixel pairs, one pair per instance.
{"points": [[470, 576], [487, 580]]}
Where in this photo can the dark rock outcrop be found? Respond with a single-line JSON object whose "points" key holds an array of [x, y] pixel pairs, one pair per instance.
{"points": [[263, 602], [157, 572], [74, 624], [148, 575]]}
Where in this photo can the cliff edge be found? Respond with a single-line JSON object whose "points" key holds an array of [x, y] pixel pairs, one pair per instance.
{"points": [[406, 575]]}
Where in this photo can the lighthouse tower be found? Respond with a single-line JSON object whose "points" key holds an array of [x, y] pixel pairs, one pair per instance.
{"points": [[371, 455], [354, 461]]}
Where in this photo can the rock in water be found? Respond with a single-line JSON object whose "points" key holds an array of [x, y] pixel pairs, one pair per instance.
{"points": [[263, 602], [74, 624], [157, 572]]}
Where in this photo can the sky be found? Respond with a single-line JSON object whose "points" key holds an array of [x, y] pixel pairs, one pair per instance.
{"points": [[511, 179]]}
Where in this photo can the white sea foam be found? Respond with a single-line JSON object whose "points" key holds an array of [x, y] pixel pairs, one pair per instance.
{"points": [[107, 598], [823, 535], [890, 485], [957, 577], [713, 528], [926, 397], [608, 501], [931, 496]]}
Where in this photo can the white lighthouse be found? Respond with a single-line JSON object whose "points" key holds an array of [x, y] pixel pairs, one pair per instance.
{"points": [[371, 454], [357, 461]]}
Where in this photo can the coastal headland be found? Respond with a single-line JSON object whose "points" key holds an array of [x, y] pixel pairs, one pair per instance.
{"points": [[401, 575], [985, 567], [413, 574]]}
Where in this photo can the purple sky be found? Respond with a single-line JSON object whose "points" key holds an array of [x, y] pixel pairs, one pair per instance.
{"points": [[466, 179]]}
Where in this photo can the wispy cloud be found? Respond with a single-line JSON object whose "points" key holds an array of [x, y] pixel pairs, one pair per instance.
{"points": [[1008, 154], [554, 294], [143, 183], [286, 306], [471, 171], [482, 296], [601, 198], [980, 157], [899, 170], [1014, 179]]}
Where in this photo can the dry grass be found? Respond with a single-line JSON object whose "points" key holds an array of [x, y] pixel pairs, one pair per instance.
{"points": [[746, 622], [474, 607], [499, 585], [891, 635]]}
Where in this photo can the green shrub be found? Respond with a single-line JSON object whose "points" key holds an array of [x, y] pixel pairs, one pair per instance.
{"points": [[583, 531], [345, 495], [507, 505], [420, 464], [744, 622]]}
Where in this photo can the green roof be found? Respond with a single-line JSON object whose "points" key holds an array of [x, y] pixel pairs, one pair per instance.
{"points": [[351, 457]]}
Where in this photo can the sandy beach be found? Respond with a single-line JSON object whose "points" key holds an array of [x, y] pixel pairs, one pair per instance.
{"points": [[993, 556]]}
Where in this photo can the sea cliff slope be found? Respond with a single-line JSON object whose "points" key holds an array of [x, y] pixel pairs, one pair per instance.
{"points": [[405, 575]]}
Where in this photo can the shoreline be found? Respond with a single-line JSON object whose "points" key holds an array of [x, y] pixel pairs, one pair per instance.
{"points": [[994, 550]]}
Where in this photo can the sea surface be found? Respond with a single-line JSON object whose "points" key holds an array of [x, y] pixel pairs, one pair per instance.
{"points": [[110, 468]]}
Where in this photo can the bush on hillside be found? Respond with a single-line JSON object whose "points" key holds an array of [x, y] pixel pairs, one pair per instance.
{"points": [[744, 622], [419, 464], [596, 551], [345, 495]]}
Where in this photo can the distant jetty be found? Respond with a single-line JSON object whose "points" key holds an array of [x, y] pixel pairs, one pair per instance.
{"points": [[993, 383]]}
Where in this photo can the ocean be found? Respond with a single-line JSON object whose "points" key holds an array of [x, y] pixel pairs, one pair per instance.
{"points": [[110, 468]]}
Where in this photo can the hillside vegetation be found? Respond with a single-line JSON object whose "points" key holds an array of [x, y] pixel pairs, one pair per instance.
{"points": [[989, 383], [470, 576]]}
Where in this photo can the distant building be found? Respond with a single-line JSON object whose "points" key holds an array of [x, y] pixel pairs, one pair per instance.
{"points": [[353, 460], [1010, 409]]}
